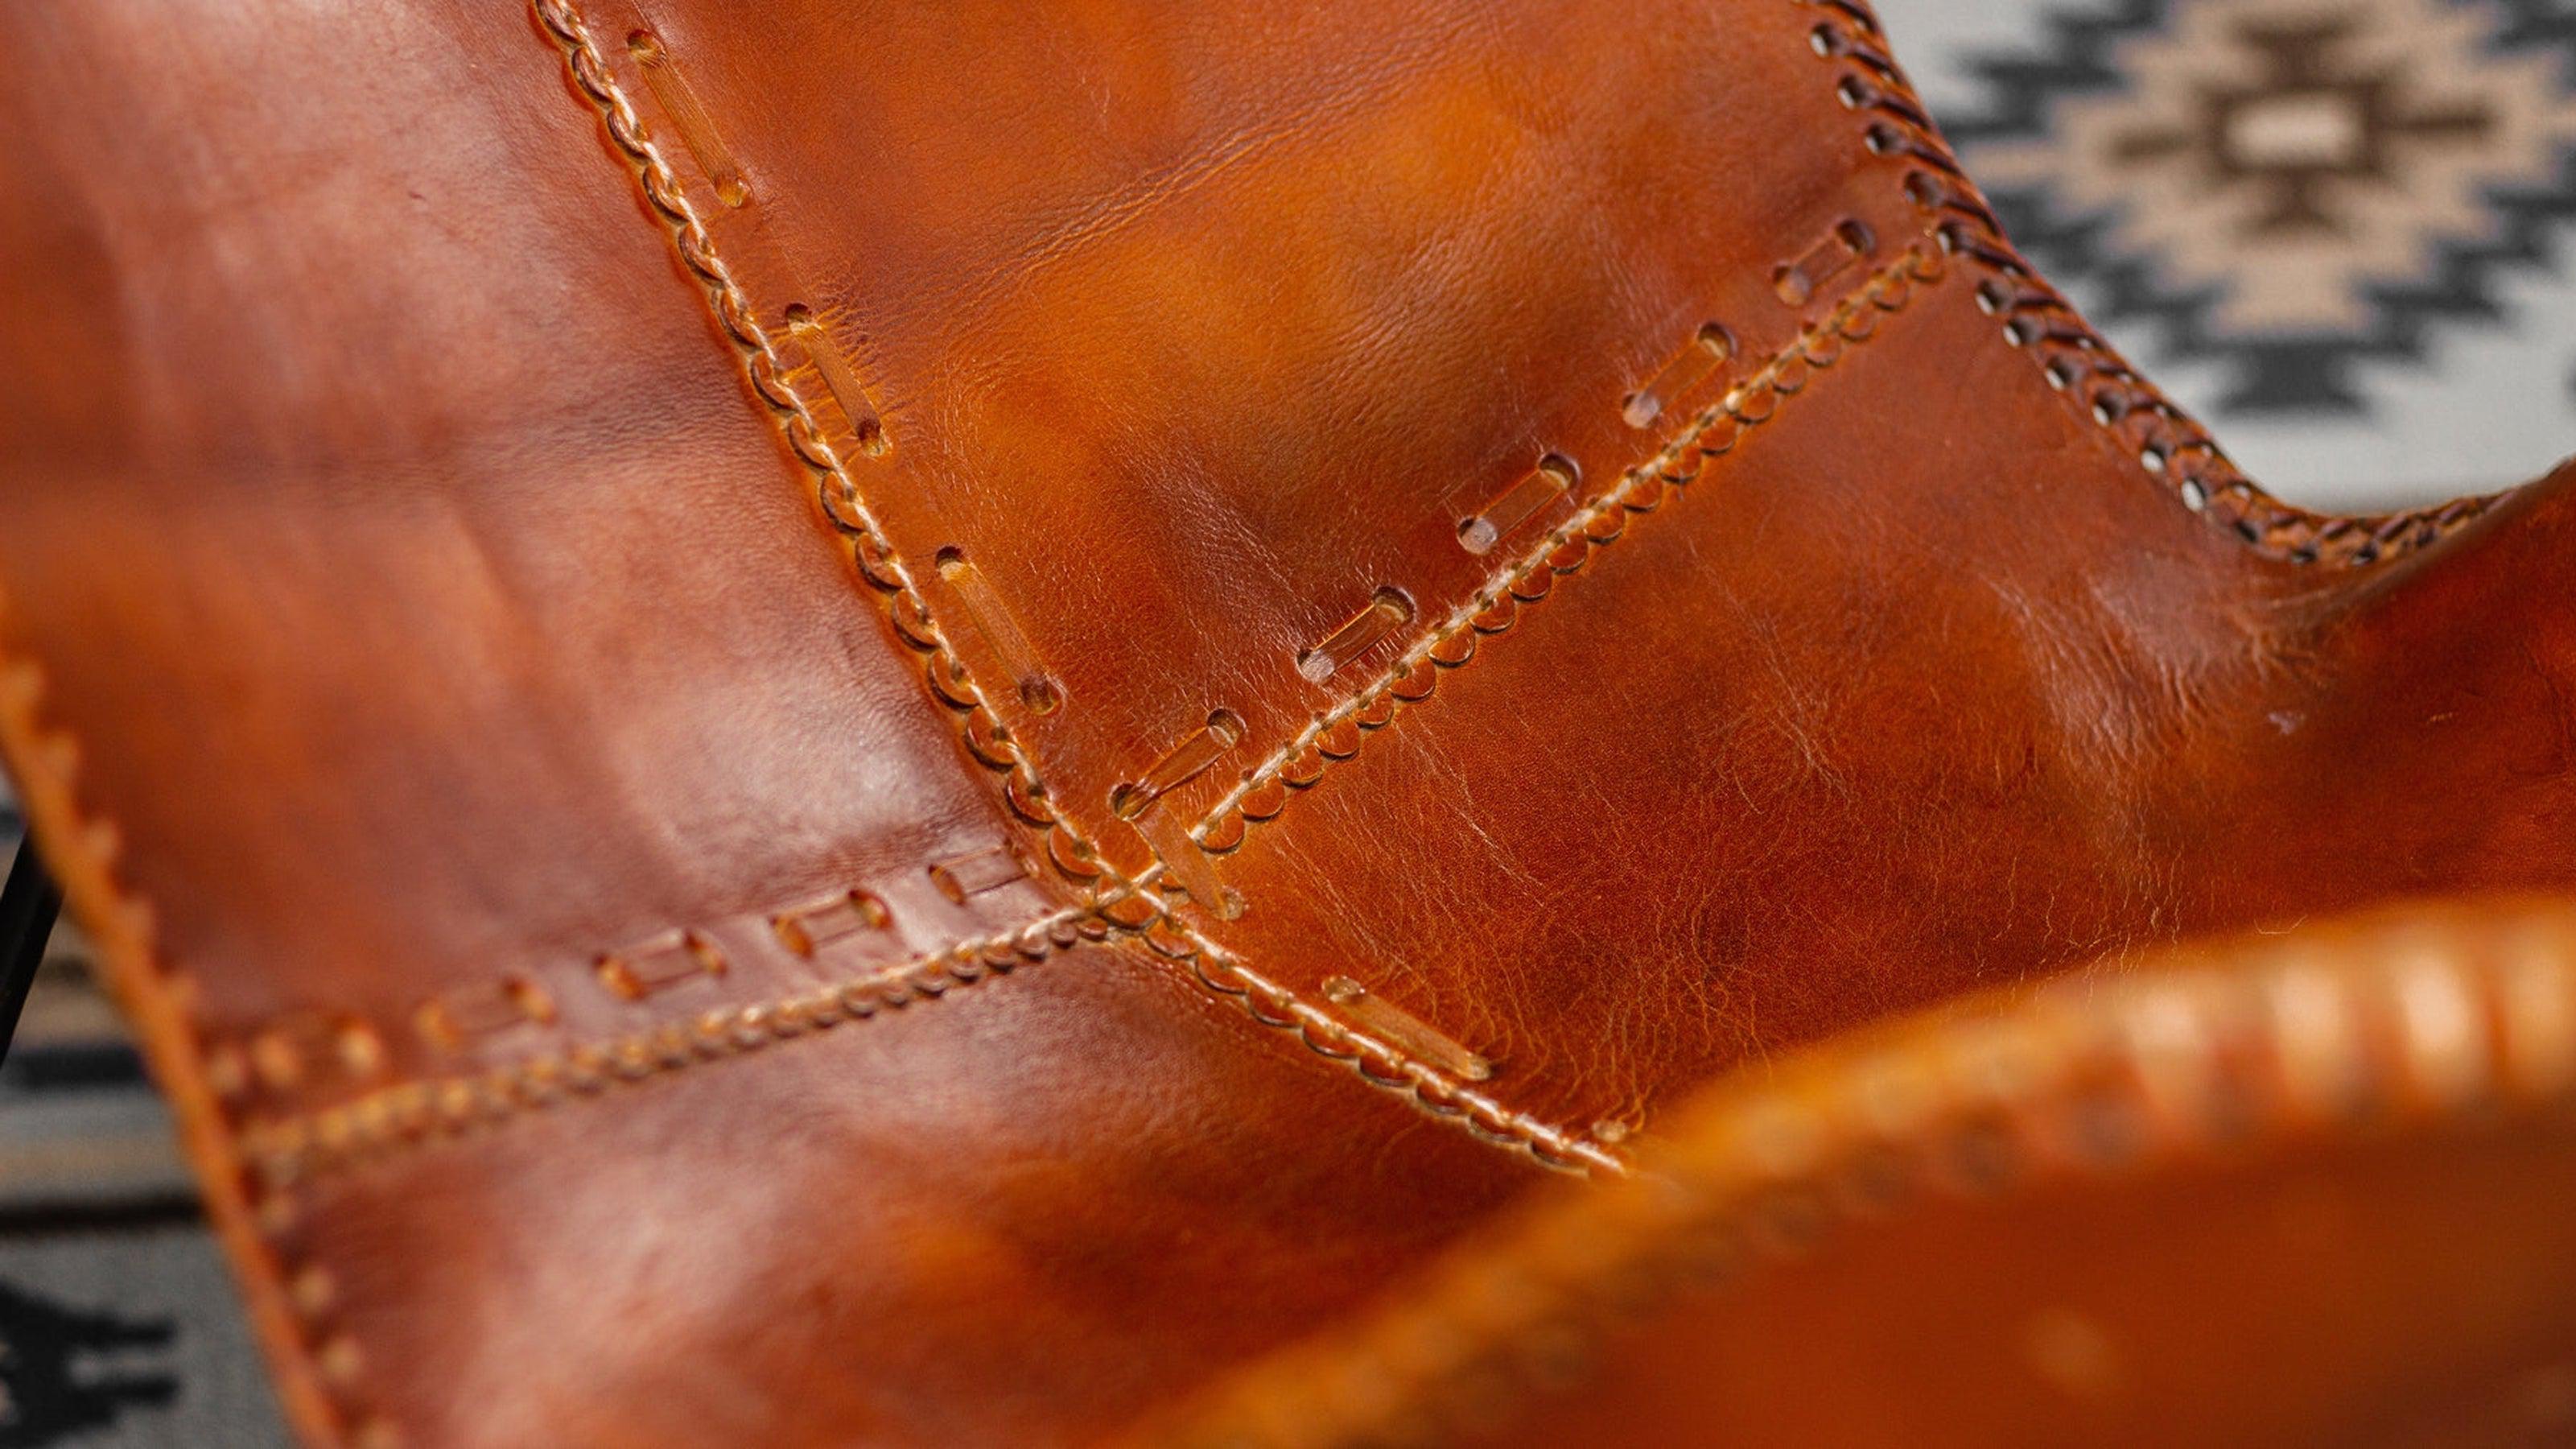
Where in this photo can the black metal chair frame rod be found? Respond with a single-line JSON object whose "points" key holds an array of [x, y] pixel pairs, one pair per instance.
{"points": [[28, 905]]}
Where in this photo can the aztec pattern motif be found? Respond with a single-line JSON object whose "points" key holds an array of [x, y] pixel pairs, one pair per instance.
{"points": [[2338, 229]]}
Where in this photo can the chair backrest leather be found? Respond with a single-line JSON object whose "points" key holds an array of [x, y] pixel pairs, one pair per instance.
{"points": [[582, 583]]}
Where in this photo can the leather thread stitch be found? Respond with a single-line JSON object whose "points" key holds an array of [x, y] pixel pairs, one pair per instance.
{"points": [[2077, 360], [1379, 1063], [230, 1056], [383, 1123], [391, 1120], [1336, 734], [2216, 1057], [878, 562], [83, 846], [883, 568]]}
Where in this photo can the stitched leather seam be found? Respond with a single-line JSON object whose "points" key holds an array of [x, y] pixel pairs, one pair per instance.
{"points": [[878, 562], [2166, 443], [319, 1362], [1378, 1062], [363, 1121], [883, 569], [312, 1039], [1336, 734], [389, 1121], [386, 1121], [2211, 1058]]}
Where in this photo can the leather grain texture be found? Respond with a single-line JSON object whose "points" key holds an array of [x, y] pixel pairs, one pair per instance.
{"points": [[910, 724], [2296, 1188]]}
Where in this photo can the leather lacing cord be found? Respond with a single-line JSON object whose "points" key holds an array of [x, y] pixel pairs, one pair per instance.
{"points": [[1530, 578], [390, 1120], [1379, 1062], [2167, 443], [879, 564], [2411, 1026]]}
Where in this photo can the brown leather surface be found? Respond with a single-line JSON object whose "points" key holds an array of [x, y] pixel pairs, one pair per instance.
{"points": [[511, 517], [2302, 1189]]}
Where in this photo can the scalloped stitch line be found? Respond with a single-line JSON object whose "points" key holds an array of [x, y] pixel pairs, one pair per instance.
{"points": [[1638, 490], [2220, 491], [1093, 905], [386, 1122], [878, 562], [1429, 1089], [389, 1122]]}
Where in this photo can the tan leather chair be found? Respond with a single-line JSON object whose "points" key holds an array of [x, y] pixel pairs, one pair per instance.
{"points": [[913, 723]]}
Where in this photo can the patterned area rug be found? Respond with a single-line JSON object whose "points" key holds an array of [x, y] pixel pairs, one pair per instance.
{"points": [[2336, 229]]}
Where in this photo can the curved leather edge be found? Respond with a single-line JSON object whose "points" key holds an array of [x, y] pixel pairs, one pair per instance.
{"points": [[2385, 1029]]}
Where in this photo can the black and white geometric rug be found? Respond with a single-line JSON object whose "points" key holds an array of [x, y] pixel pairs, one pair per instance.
{"points": [[2338, 230]]}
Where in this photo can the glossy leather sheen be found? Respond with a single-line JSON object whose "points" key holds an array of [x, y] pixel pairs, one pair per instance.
{"points": [[511, 517], [2304, 1188]]}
